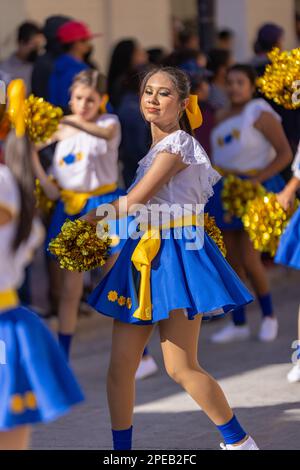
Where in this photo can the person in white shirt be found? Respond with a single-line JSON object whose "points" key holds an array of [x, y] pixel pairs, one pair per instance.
{"points": [[288, 253], [85, 168], [248, 141], [173, 275], [36, 383]]}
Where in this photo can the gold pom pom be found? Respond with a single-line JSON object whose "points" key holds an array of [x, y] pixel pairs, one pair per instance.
{"points": [[236, 193], [81, 246], [214, 232], [43, 203], [265, 220], [277, 82], [41, 118]]}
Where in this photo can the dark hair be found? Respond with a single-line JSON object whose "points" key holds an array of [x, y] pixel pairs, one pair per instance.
{"points": [[225, 34], [182, 84], [120, 64], [185, 36], [18, 160], [90, 78], [246, 69], [218, 58], [27, 30]]}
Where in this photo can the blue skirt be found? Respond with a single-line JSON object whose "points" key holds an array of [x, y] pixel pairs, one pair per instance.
{"points": [[288, 252], [224, 220], [59, 217], [36, 383], [199, 280]]}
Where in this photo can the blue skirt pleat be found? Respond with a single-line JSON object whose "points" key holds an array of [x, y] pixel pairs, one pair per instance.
{"points": [[288, 252], [32, 362], [199, 280]]}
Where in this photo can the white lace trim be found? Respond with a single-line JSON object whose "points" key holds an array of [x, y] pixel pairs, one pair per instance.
{"points": [[192, 153]]}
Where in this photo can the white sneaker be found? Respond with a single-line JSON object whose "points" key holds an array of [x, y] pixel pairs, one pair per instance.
{"points": [[294, 374], [146, 368], [268, 330], [248, 444], [231, 332]]}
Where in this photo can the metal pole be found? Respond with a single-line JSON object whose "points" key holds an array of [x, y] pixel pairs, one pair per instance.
{"points": [[206, 24]]}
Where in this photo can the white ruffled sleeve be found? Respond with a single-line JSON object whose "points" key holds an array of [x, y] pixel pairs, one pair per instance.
{"points": [[9, 193], [296, 164], [254, 109], [192, 153]]}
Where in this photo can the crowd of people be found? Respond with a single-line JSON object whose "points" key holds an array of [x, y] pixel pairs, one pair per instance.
{"points": [[127, 135]]}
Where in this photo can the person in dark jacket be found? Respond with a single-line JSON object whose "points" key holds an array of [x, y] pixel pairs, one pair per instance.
{"points": [[44, 64], [75, 38]]}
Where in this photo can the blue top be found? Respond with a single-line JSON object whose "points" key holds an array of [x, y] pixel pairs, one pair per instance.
{"points": [[65, 69]]}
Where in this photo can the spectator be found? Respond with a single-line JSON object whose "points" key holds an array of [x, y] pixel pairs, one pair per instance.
{"points": [[219, 60], [136, 137], [188, 39], [44, 65], [156, 55], [270, 35], [20, 64], [75, 38], [225, 39], [127, 56]]}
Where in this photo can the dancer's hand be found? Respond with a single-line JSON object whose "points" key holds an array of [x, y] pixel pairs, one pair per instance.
{"points": [[286, 199], [91, 217]]}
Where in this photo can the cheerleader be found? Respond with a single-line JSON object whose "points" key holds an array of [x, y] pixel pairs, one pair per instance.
{"points": [[85, 168], [173, 274], [249, 141], [288, 252], [36, 384]]}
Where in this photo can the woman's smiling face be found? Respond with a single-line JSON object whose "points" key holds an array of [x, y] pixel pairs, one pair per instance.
{"points": [[160, 103]]}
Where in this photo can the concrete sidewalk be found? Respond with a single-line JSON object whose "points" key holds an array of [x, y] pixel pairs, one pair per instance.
{"points": [[252, 374]]}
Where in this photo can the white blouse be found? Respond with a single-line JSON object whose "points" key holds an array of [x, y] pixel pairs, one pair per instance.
{"points": [[189, 190], [12, 263], [296, 163], [84, 162], [237, 145]]}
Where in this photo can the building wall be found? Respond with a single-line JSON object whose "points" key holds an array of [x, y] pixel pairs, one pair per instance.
{"points": [[244, 17], [146, 20]]}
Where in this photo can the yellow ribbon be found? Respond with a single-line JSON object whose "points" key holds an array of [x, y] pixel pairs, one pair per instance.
{"points": [[16, 93], [8, 299], [74, 202], [226, 172], [103, 104], [143, 255], [193, 112]]}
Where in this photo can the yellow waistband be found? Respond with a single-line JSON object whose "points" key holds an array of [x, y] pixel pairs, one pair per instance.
{"points": [[226, 172], [74, 201], [8, 299], [143, 255]]}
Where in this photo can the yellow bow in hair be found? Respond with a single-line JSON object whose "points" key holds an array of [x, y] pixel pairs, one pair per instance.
{"points": [[193, 112], [16, 93], [103, 105]]}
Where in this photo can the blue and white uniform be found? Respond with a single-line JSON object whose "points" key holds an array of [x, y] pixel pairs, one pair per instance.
{"points": [[239, 148], [36, 383], [188, 271], [82, 164], [288, 252]]}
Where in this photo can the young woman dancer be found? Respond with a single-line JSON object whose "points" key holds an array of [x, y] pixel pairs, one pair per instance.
{"points": [[161, 279], [288, 252], [36, 384], [249, 141], [85, 167]]}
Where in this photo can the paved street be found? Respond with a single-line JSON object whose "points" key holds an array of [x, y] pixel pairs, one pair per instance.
{"points": [[252, 374]]}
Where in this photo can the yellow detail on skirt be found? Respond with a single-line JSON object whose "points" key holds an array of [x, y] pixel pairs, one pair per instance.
{"points": [[145, 252], [8, 299], [74, 201]]}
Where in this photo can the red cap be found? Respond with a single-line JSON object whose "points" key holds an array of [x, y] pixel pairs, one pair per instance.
{"points": [[73, 31]]}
